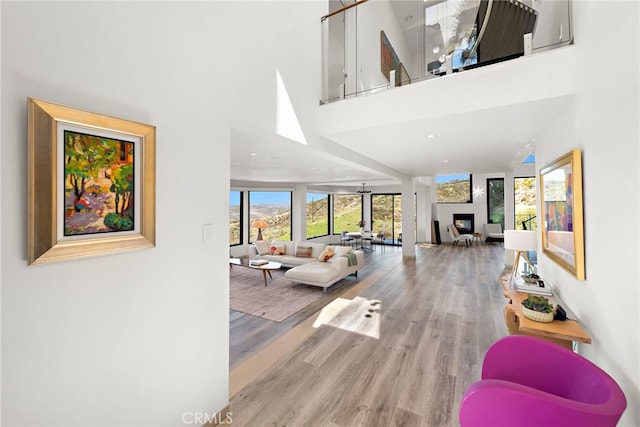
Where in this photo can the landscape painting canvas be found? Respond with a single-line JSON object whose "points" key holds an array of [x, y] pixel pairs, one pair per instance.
{"points": [[91, 183], [99, 184]]}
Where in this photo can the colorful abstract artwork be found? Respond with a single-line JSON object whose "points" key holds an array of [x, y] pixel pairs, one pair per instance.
{"points": [[389, 60], [563, 230], [98, 184]]}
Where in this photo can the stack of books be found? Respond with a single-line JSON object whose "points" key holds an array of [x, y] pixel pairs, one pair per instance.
{"points": [[531, 288], [258, 262]]}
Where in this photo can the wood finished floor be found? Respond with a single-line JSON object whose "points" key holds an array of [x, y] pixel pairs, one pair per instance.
{"points": [[439, 314]]}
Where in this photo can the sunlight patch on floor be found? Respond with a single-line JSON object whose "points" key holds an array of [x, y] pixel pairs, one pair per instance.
{"points": [[359, 315]]}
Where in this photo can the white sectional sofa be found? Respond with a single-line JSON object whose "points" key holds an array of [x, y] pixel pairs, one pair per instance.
{"points": [[286, 252], [304, 260]]}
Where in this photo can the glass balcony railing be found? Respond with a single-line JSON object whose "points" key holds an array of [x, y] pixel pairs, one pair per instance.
{"points": [[379, 45]]}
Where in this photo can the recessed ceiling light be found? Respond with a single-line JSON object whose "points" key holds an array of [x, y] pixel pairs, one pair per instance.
{"points": [[254, 154], [446, 161], [409, 18], [431, 136]]}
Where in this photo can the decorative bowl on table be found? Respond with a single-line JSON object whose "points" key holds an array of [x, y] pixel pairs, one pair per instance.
{"points": [[536, 315], [537, 308]]}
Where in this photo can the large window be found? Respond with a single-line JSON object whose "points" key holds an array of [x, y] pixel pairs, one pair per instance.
{"points": [[235, 216], [495, 201], [386, 213], [347, 212], [273, 207], [454, 188], [317, 215], [525, 203]]}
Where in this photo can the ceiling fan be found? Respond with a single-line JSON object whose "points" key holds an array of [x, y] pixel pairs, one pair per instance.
{"points": [[363, 191]]}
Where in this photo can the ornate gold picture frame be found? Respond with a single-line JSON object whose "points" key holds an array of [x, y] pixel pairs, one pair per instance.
{"points": [[91, 183], [561, 212]]}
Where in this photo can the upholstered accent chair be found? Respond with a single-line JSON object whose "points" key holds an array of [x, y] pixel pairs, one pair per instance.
{"points": [[529, 382], [457, 237], [493, 233]]}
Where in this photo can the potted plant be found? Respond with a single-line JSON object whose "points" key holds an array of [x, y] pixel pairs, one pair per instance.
{"points": [[537, 308]]}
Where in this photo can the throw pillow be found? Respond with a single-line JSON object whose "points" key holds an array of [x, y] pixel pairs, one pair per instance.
{"points": [[262, 247], [276, 250], [303, 251], [326, 255]]}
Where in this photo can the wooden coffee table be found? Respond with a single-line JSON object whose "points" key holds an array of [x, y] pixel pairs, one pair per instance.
{"points": [[266, 268]]}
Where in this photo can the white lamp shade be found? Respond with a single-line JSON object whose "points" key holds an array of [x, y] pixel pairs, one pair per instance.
{"points": [[520, 240]]}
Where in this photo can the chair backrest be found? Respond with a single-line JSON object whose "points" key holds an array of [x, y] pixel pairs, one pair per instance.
{"points": [[453, 231], [492, 228], [547, 367]]}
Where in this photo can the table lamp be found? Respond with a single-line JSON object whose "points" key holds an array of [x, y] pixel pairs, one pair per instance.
{"points": [[520, 241], [259, 224]]}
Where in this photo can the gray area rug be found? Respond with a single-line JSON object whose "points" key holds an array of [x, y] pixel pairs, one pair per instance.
{"points": [[276, 302]]}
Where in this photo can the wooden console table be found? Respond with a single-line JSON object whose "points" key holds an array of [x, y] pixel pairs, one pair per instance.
{"points": [[561, 332]]}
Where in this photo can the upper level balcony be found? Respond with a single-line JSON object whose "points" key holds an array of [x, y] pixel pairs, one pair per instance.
{"points": [[374, 46]]}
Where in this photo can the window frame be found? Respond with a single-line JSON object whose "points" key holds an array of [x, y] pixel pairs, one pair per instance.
{"points": [[240, 216], [333, 213], [328, 196], [249, 228], [470, 197]]}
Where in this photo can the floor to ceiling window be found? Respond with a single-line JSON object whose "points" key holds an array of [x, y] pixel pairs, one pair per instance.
{"points": [[347, 212], [386, 215], [317, 215], [274, 208], [525, 203]]}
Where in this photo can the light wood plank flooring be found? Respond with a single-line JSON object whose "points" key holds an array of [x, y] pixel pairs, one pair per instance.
{"points": [[438, 314]]}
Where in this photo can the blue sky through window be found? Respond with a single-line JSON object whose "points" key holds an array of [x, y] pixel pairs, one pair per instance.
{"points": [[316, 197], [270, 197], [454, 177], [234, 198]]}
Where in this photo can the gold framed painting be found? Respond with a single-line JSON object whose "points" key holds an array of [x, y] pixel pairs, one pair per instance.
{"points": [[91, 183], [561, 212]]}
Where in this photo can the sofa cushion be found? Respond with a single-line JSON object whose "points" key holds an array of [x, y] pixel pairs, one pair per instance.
{"points": [[262, 246], [277, 250], [289, 246], [342, 250], [314, 272], [290, 260], [303, 251]]}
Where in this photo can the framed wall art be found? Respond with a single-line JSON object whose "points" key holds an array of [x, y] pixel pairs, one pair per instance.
{"points": [[561, 212], [91, 183]]}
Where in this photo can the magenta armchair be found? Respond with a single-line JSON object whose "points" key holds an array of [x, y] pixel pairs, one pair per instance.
{"points": [[528, 381]]}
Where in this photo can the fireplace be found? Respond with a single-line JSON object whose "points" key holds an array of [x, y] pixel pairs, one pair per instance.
{"points": [[464, 223]]}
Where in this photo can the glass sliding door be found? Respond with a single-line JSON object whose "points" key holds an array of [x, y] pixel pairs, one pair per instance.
{"points": [[386, 215]]}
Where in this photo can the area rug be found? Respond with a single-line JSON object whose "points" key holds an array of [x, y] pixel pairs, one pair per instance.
{"points": [[279, 300]]}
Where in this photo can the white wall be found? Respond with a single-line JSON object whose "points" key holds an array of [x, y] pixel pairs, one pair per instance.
{"points": [[373, 17], [606, 129], [142, 337]]}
